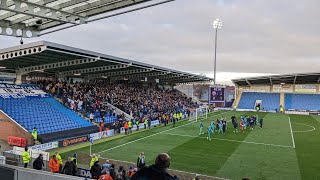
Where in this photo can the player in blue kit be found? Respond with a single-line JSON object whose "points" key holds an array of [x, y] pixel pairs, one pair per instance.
{"points": [[201, 128], [212, 126], [220, 127], [209, 133]]}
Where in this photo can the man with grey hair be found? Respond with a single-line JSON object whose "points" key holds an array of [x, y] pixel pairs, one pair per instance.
{"points": [[157, 171]]}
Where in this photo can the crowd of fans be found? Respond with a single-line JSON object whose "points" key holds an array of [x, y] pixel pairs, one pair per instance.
{"points": [[142, 101]]}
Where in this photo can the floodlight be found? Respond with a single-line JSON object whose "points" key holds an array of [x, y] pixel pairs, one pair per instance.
{"points": [[217, 23]]}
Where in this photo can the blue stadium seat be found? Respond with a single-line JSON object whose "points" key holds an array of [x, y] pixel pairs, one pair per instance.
{"points": [[310, 102], [270, 101], [46, 114]]}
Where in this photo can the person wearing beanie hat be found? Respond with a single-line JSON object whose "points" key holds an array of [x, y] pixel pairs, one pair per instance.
{"points": [[197, 177], [74, 158], [131, 171]]}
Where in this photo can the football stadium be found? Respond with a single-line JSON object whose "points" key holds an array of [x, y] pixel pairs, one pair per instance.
{"points": [[73, 113]]}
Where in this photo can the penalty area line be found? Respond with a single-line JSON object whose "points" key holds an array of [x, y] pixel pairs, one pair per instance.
{"points": [[231, 140], [153, 135]]}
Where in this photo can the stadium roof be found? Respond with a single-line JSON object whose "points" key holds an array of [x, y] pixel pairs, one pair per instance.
{"points": [[31, 18], [57, 59], [308, 78]]}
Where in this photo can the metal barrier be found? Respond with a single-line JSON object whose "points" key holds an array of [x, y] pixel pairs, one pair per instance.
{"points": [[8, 172]]}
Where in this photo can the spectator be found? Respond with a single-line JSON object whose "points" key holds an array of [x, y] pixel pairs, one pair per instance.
{"points": [[131, 171], [74, 158], [38, 163], [157, 171], [34, 134], [59, 160], [54, 164], [112, 172], [96, 170], [75, 170], [25, 157], [105, 176], [91, 117], [121, 174], [69, 167], [197, 177], [141, 161], [106, 166]]}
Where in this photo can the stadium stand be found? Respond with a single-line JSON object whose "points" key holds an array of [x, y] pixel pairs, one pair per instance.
{"points": [[140, 100], [270, 101], [308, 102], [45, 113]]}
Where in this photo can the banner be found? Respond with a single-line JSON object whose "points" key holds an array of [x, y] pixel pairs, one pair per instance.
{"points": [[84, 173], [14, 86], [17, 96], [72, 141], [101, 135], [46, 146], [20, 91]]}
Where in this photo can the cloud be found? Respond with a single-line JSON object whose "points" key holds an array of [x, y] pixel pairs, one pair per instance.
{"points": [[257, 36]]}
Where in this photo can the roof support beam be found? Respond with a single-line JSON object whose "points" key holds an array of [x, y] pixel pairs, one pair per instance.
{"points": [[18, 30], [120, 73], [43, 67], [94, 69], [44, 12], [248, 82], [295, 79], [270, 80], [57, 7], [140, 75], [10, 4]]}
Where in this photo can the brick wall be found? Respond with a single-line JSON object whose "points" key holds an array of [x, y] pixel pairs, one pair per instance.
{"points": [[9, 128]]}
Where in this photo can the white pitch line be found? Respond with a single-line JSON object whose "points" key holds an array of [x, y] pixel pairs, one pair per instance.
{"points": [[152, 135], [293, 144], [313, 128], [231, 140], [203, 175]]}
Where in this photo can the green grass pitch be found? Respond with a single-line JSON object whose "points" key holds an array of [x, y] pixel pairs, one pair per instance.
{"points": [[273, 152]]}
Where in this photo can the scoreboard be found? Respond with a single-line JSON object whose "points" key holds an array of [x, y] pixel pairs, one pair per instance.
{"points": [[216, 94]]}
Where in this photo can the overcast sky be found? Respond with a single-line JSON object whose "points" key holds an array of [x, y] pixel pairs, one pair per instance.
{"points": [[258, 36]]}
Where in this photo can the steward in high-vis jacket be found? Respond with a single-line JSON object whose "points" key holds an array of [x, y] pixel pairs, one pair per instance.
{"points": [[25, 157], [94, 159]]}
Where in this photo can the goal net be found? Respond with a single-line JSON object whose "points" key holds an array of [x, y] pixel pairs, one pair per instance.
{"points": [[199, 113]]}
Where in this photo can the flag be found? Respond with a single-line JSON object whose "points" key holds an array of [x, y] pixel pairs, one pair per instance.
{"points": [[91, 140]]}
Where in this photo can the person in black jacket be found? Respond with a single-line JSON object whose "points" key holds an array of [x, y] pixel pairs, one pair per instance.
{"points": [[96, 170], [113, 172], [141, 161], [157, 171], [69, 167], [38, 163]]}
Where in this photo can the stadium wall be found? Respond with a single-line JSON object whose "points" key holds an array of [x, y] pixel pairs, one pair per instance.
{"points": [[9, 128]]}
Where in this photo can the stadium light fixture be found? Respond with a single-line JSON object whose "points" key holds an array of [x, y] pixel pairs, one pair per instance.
{"points": [[77, 74], [282, 83], [105, 77], [38, 70], [217, 24], [2, 67]]}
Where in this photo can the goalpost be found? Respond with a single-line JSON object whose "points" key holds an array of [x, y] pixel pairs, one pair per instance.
{"points": [[197, 113]]}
